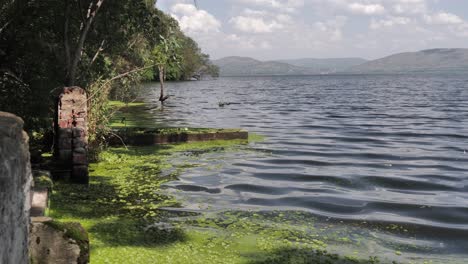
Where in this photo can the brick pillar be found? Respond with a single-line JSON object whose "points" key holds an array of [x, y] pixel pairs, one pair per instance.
{"points": [[71, 147]]}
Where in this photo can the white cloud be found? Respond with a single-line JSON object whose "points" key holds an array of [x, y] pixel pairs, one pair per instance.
{"points": [[271, 29], [443, 18], [331, 28], [256, 21], [366, 9], [282, 5], [389, 22], [410, 6], [254, 25], [192, 20]]}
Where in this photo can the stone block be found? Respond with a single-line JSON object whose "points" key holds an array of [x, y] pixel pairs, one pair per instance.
{"points": [[81, 151], [65, 133], [80, 174], [65, 124], [78, 132], [40, 201], [79, 158], [65, 155], [65, 143], [58, 243], [79, 143]]}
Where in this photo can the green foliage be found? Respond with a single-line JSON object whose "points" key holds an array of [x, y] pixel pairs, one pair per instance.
{"points": [[193, 63], [44, 182], [117, 54]]}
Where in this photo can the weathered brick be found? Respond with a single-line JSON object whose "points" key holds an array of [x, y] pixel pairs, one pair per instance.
{"points": [[79, 151], [80, 174], [64, 143], [79, 143], [64, 123], [78, 132], [64, 133], [65, 155], [79, 158]]}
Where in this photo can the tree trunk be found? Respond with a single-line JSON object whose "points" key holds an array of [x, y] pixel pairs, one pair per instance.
{"points": [[161, 82], [66, 40], [74, 62]]}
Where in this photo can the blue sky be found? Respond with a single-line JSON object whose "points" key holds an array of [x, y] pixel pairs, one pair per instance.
{"points": [[283, 29]]}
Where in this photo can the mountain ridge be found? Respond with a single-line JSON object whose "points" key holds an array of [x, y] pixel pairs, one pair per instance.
{"points": [[246, 66], [429, 60]]}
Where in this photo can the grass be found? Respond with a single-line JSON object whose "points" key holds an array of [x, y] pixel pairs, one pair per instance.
{"points": [[121, 210]]}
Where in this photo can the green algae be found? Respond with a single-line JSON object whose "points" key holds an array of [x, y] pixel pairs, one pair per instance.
{"points": [[124, 213]]}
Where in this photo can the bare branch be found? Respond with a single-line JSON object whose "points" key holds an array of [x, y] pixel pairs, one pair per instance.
{"points": [[120, 76], [117, 136], [5, 25], [101, 48]]}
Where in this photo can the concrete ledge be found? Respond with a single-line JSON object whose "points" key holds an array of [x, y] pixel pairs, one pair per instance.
{"points": [[155, 138]]}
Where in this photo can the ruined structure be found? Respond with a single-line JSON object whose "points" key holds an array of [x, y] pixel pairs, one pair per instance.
{"points": [[15, 184], [71, 142]]}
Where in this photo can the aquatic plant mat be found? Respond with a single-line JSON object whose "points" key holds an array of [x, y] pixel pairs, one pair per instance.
{"points": [[130, 220]]}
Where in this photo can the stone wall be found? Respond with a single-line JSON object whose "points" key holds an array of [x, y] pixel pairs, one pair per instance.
{"points": [[15, 184], [71, 144]]}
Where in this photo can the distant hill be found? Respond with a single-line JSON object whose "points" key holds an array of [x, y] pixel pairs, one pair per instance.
{"points": [[326, 65], [433, 60], [243, 66]]}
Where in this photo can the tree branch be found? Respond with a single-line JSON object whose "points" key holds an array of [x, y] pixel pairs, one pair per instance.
{"points": [[116, 78], [84, 33], [98, 51], [5, 25]]}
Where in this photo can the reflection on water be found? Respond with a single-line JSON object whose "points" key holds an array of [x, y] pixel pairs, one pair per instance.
{"points": [[381, 149]]}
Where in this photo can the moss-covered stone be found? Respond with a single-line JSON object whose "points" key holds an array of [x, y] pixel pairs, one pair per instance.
{"points": [[56, 242], [43, 182]]}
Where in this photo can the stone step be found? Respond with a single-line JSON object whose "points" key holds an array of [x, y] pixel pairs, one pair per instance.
{"points": [[40, 201]]}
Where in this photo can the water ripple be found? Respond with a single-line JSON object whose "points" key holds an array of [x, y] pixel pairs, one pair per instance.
{"points": [[390, 149]]}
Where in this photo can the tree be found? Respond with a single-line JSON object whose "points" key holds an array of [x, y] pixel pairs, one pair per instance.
{"points": [[73, 56]]}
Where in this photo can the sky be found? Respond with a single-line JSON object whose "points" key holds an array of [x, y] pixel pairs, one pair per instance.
{"points": [[287, 29]]}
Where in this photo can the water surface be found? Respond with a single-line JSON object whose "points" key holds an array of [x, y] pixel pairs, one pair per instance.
{"points": [[380, 149]]}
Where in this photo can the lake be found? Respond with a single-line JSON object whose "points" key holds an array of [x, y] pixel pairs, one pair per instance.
{"points": [[380, 150]]}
